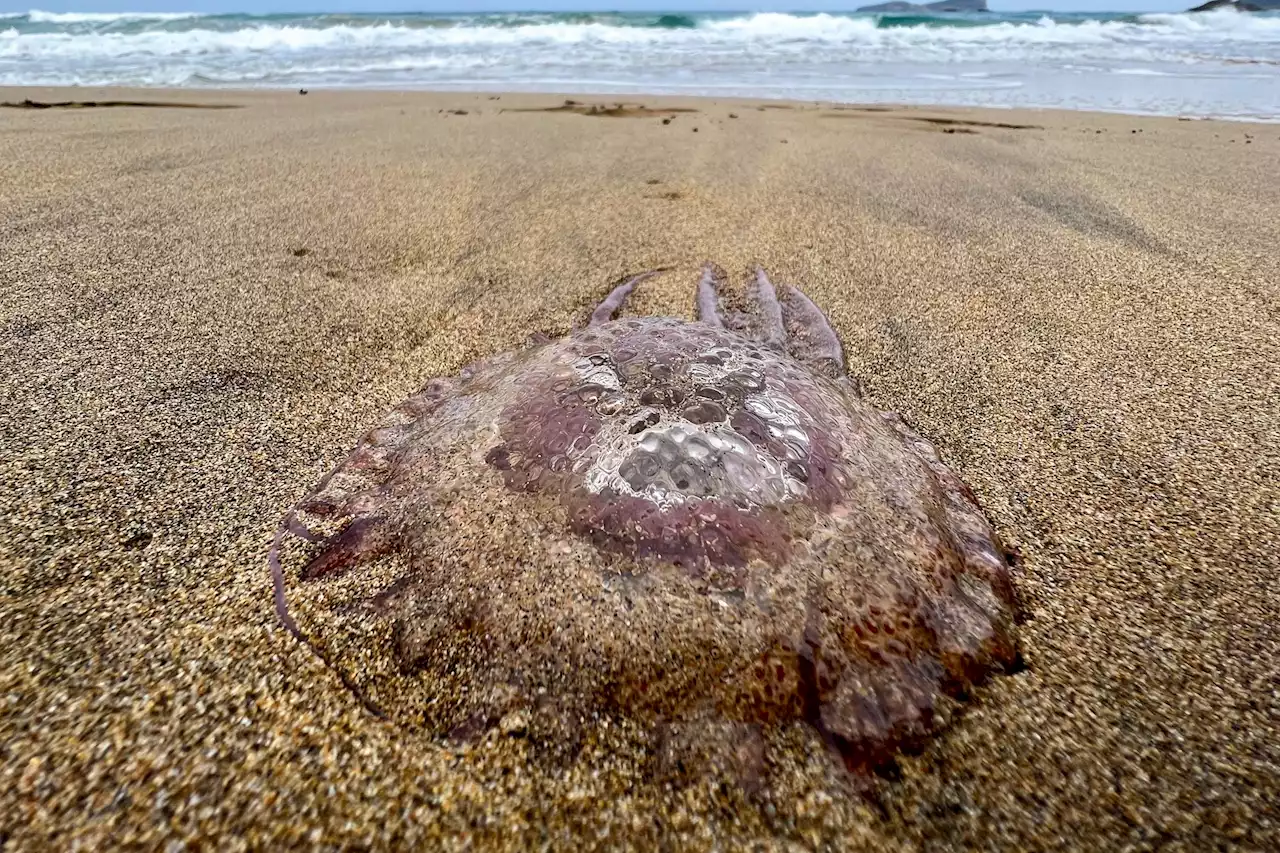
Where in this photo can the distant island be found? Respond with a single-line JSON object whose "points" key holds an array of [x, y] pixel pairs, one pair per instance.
{"points": [[947, 6], [1239, 5]]}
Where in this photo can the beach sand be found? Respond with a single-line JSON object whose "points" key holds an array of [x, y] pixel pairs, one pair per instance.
{"points": [[202, 310]]}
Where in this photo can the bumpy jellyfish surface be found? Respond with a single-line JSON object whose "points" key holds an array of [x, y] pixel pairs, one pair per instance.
{"points": [[696, 528]]}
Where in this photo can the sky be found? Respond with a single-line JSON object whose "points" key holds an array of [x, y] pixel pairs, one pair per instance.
{"points": [[546, 5]]}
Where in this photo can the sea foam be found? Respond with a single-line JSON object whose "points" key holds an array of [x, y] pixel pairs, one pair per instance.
{"points": [[1050, 59]]}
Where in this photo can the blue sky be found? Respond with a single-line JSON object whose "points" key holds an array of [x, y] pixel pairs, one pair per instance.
{"points": [[541, 5]]}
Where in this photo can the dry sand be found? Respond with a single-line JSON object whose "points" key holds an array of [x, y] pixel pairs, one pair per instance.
{"points": [[202, 309]]}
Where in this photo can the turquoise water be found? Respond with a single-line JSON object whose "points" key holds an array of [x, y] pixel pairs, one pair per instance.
{"points": [[1220, 63]]}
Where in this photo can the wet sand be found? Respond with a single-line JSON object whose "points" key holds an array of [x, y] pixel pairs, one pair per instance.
{"points": [[203, 309]]}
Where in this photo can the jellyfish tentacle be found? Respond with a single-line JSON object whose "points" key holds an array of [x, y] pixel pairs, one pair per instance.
{"points": [[614, 301], [292, 524], [343, 516], [349, 504], [709, 295], [277, 578], [808, 333], [286, 618], [783, 318], [772, 330]]}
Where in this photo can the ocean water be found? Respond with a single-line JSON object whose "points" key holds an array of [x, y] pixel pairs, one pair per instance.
{"points": [[1221, 63]]}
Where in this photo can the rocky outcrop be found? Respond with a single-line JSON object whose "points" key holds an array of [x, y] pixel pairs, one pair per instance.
{"points": [[1239, 5], [926, 8]]}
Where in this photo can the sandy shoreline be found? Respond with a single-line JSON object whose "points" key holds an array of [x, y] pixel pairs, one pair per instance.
{"points": [[204, 308]]}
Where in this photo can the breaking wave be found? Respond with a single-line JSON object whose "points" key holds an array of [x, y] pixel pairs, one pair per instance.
{"points": [[764, 53]]}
